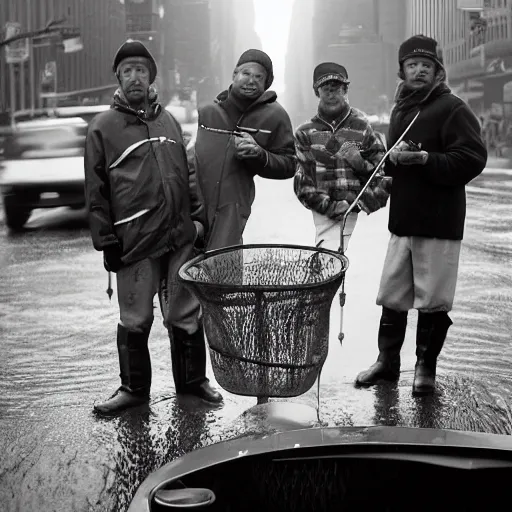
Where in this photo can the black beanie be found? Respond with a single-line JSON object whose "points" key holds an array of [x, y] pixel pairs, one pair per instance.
{"points": [[327, 71], [420, 46], [132, 48], [261, 58]]}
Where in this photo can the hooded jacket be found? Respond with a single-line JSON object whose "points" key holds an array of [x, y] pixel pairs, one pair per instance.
{"points": [[226, 182], [430, 200], [139, 191]]}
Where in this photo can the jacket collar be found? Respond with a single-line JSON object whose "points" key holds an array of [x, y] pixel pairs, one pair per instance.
{"points": [[120, 103], [336, 123], [266, 97]]}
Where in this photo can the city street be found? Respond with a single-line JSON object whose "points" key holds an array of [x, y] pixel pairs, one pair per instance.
{"points": [[59, 354]]}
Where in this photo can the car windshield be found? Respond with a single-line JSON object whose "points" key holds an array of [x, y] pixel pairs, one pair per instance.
{"points": [[90, 296]]}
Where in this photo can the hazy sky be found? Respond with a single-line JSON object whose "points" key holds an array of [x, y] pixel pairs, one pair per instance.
{"points": [[272, 25]]}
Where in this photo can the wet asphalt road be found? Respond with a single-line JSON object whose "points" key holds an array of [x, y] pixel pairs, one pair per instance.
{"points": [[59, 354]]}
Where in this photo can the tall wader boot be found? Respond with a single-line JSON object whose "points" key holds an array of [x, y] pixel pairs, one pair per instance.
{"points": [[188, 353], [391, 337], [135, 365], [430, 337]]}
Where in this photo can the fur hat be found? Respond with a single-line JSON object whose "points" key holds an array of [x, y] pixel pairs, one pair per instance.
{"points": [[420, 46], [260, 58], [327, 71], [132, 48]]}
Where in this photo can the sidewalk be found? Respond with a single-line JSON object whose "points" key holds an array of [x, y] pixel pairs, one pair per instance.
{"points": [[494, 162]]}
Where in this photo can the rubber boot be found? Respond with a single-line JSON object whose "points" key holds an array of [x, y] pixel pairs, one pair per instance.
{"points": [[188, 353], [135, 366], [390, 340], [430, 337]]}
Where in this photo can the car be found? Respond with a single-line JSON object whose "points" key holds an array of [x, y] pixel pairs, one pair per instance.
{"points": [[42, 163], [43, 167]]}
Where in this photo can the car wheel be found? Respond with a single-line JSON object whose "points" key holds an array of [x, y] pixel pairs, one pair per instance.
{"points": [[16, 214]]}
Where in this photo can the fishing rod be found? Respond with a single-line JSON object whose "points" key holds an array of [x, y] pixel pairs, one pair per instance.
{"points": [[238, 132], [376, 170], [342, 294]]}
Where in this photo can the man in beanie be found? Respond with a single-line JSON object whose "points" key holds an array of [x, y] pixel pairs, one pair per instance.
{"points": [[145, 216], [442, 152], [337, 151], [226, 163]]}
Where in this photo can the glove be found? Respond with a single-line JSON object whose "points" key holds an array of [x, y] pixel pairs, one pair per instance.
{"points": [[412, 157], [408, 147], [112, 258], [246, 147]]}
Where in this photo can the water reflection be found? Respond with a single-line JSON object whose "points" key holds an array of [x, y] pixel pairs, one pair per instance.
{"points": [[136, 454], [387, 411], [142, 447], [428, 410]]}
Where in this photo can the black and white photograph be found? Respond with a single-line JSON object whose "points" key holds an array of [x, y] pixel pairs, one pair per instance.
{"points": [[255, 255]]}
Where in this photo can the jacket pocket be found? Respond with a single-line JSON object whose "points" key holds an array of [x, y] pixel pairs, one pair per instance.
{"points": [[144, 234]]}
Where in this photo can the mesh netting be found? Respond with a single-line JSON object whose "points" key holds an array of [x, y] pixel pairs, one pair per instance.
{"points": [[266, 314]]}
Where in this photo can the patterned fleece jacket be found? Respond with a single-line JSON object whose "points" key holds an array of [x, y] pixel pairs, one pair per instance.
{"points": [[334, 161]]}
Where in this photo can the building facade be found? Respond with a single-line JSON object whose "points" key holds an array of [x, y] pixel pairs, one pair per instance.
{"points": [[195, 42], [364, 39], [476, 37], [48, 69]]}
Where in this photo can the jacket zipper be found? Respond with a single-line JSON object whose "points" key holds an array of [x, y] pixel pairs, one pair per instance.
{"points": [[166, 193], [335, 128]]}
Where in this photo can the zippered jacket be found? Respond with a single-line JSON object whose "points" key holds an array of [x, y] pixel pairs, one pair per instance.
{"points": [[334, 162], [140, 192]]}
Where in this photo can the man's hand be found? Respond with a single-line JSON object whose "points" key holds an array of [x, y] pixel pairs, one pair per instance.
{"points": [[393, 155], [408, 153], [112, 258], [412, 158], [247, 147]]}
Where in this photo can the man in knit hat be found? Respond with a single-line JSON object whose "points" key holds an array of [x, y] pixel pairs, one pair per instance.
{"points": [[442, 152], [337, 151], [145, 216], [228, 157]]}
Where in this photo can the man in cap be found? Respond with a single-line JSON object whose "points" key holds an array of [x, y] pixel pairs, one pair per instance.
{"points": [[227, 162], [442, 152], [337, 151], [145, 216]]}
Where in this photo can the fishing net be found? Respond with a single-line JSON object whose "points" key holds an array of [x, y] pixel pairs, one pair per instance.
{"points": [[266, 314]]}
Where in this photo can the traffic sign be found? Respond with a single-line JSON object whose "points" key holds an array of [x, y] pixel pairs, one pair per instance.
{"points": [[18, 51]]}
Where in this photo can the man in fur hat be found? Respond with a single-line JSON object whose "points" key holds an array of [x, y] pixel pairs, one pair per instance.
{"points": [[442, 152], [226, 164], [145, 216], [337, 152]]}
